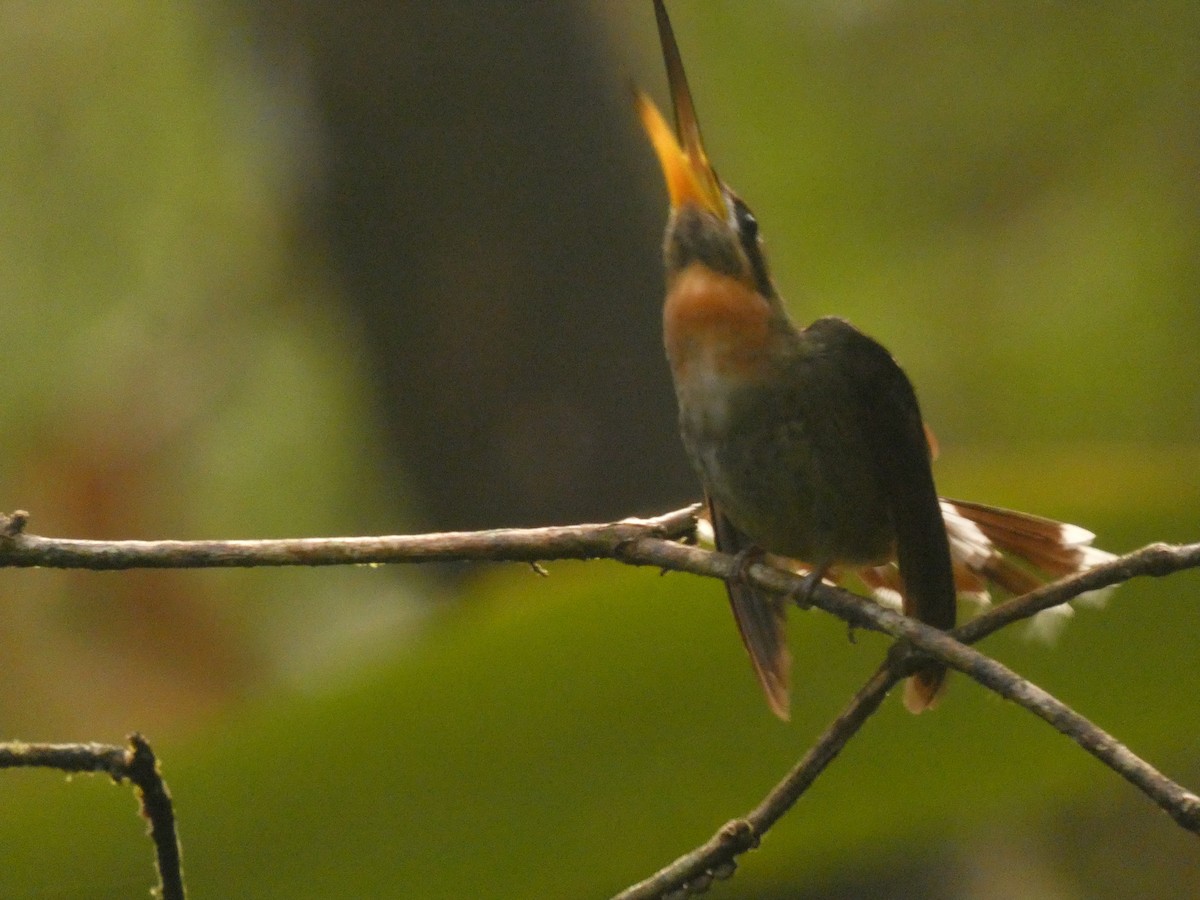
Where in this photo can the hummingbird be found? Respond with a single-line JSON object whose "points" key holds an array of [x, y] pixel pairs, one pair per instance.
{"points": [[809, 441]]}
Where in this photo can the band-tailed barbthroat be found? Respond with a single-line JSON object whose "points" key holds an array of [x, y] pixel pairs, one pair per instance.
{"points": [[808, 442]]}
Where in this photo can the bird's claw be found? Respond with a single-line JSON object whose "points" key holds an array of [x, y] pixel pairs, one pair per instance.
{"points": [[743, 560], [803, 595]]}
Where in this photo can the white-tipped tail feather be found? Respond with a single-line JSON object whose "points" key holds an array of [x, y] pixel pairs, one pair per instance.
{"points": [[1011, 550], [991, 547]]}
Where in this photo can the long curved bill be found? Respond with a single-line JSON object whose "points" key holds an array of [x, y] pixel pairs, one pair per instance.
{"points": [[689, 176]]}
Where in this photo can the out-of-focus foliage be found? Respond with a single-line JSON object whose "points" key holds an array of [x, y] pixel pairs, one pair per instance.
{"points": [[176, 365], [568, 734], [1006, 195]]}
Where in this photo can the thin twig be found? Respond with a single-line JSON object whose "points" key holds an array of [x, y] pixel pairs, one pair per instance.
{"points": [[693, 871], [716, 858], [1179, 803], [134, 762], [1153, 559], [648, 542], [1182, 805], [158, 810], [656, 542], [21, 549]]}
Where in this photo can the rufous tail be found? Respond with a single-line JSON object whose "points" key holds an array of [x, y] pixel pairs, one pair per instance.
{"points": [[924, 688]]}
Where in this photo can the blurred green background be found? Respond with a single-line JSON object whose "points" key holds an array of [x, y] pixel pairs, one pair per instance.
{"points": [[296, 269]]}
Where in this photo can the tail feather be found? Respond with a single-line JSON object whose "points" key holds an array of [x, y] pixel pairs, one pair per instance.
{"points": [[1056, 548], [924, 688], [991, 547], [761, 621]]}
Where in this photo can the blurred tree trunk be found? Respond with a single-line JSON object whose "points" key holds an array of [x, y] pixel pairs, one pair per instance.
{"points": [[494, 218]]}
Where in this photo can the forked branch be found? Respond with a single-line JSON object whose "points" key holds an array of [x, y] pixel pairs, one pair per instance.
{"points": [[135, 762], [666, 542]]}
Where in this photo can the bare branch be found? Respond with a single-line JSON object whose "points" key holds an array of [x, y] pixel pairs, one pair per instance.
{"points": [[716, 859], [1182, 805], [656, 542], [20, 549], [134, 762], [1154, 559], [647, 542]]}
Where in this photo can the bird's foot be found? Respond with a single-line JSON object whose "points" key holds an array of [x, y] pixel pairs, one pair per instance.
{"points": [[743, 560], [802, 596]]}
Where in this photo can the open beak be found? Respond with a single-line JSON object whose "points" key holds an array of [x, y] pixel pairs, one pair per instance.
{"points": [[689, 177]]}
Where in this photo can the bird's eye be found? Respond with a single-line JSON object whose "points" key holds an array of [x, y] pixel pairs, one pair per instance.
{"points": [[747, 232]]}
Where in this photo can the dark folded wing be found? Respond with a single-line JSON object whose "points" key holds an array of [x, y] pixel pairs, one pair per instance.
{"points": [[901, 453]]}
